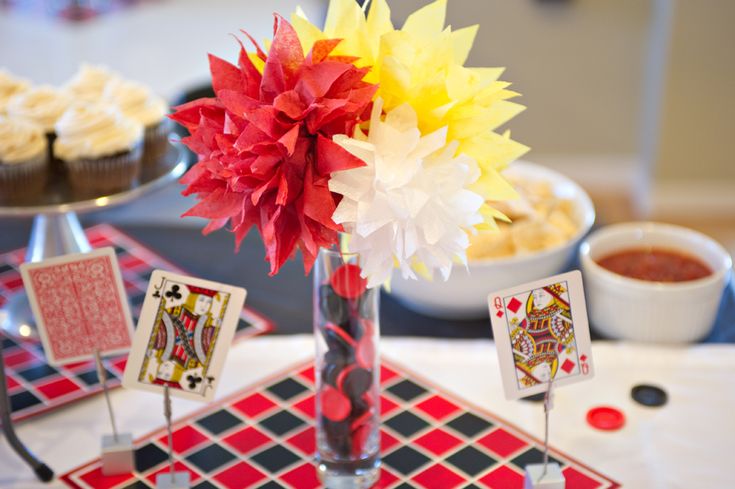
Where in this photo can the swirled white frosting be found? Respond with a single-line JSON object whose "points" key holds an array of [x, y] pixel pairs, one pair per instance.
{"points": [[41, 105], [20, 141], [136, 101], [89, 82], [94, 131], [9, 86]]}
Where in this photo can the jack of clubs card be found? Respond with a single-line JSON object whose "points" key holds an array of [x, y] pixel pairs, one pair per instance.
{"points": [[541, 333], [184, 332]]}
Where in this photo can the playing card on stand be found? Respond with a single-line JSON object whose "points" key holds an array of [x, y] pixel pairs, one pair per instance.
{"points": [[183, 334], [79, 304], [541, 332]]}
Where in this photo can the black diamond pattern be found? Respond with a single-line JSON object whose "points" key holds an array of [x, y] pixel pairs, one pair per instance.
{"points": [[137, 485], [288, 388], [405, 460], [471, 460], [205, 485], [37, 372], [282, 422], [275, 458], [406, 423], [532, 456], [469, 425], [148, 456], [406, 390], [211, 457], [90, 378], [219, 421], [271, 485], [23, 400]]}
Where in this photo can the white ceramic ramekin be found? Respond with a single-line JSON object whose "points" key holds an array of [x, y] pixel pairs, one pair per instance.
{"points": [[639, 310]]}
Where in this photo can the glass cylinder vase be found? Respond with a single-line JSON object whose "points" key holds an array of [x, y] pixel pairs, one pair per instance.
{"points": [[347, 368]]}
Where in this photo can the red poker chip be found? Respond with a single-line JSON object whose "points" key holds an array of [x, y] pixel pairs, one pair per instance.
{"points": [[359, 438], [347, 282], [606, 418], [335, 405]]}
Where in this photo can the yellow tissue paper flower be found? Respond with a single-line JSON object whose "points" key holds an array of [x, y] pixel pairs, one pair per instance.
{"points": [[422, 65]]}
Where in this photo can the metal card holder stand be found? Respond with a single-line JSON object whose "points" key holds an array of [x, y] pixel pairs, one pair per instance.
{"points": [[545, 475], [43, 471], [118, 456], [171, 479]]}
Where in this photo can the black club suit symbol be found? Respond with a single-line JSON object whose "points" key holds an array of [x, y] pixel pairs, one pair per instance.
{"points": [[193, 380], [174, 293]]}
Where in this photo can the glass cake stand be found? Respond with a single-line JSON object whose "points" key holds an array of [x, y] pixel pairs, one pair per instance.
{"points": [[56, 230]]}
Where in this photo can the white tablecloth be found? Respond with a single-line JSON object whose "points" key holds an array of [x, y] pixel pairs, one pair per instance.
{"points": [[686, 444]]}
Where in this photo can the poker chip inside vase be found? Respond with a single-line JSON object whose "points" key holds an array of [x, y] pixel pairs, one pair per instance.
{"points": [[347, 366]]}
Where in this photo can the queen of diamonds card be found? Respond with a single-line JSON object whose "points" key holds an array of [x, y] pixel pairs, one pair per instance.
{"points": [[541, 333]]}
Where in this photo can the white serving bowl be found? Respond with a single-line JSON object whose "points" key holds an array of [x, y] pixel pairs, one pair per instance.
{"points": [[640, 310], [464, 295]]}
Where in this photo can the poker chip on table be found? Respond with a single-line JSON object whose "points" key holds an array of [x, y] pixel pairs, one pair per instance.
{"points": [[263, 437], [649, 395], [36, 387], [606, 418]]}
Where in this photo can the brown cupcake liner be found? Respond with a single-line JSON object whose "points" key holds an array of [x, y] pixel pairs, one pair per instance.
{"points": [[97, 177], [22, 183], [156, 141]]}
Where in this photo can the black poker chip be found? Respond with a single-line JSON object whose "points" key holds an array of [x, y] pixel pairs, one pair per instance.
{"points": [[649, 395]]}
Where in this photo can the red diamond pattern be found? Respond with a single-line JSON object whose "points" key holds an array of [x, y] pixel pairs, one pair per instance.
{"points": [[438, 441], [501, 442], [438, 477], [58, 388], [386, 406], [304, 477], [386, 374], [387, 441], [247, 440], [98, 481], [503, 478], [308, 374], [254, 405], [305, 441], [185, 439], [578, 480], [307, 406], [239, 476], [437, 407]]}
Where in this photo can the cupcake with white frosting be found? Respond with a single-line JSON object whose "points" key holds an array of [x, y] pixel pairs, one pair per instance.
{"points": [[100, 147], [89, 82], [41, 105], [139, 103], [23, 155], [9, 86]]}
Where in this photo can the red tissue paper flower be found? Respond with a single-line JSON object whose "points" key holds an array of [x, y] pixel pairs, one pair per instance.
{"points": [[264, 143]]}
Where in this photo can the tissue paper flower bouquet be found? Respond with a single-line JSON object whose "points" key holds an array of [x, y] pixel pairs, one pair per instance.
{"points": [[367, 148]]}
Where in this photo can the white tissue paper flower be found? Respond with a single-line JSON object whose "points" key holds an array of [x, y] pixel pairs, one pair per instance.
{"points": [[409, 206]]}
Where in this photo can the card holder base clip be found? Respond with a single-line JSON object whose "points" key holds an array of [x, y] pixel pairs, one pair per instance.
{"points": [[553, 479], [117, 454]]}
